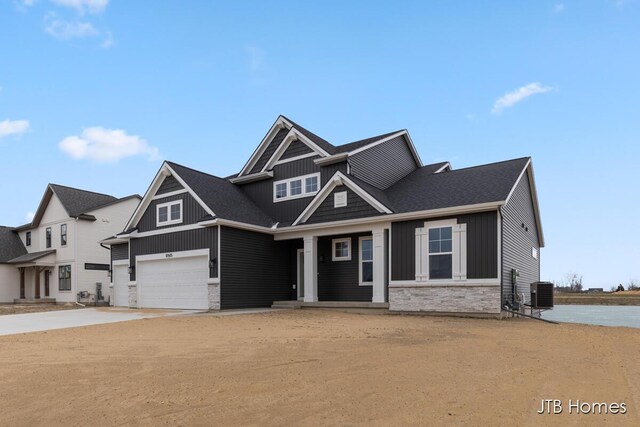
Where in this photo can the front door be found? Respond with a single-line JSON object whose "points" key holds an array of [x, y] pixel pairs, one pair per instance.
{"points": [[300, 286], [46, 282]]}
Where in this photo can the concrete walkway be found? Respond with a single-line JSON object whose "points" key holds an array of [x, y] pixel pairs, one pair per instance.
{"points": [[49, 320]]}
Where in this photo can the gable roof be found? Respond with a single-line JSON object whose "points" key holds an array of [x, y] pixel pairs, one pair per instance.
{"points": [[345, 148], [227, 200], [10, 245]]}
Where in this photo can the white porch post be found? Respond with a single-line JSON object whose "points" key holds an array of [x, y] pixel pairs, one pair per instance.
{"points": [[378, 265], [310, 269]]}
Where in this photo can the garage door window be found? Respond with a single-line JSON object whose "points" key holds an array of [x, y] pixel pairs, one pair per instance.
{"points": [[169, 213]]}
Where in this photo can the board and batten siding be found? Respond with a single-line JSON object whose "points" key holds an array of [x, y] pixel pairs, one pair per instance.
{"points": [[169, 184], [192, 212], [339, 280], [296, 148], [330, 170], [202, 238], [356, 208], [119, 251], [268, 152], [482, 246], [255, 269], [519, 237], [373, 165]]}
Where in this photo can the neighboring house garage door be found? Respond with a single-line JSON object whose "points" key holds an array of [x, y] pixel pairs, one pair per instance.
{"points": [[121, 285], [174, 283]]}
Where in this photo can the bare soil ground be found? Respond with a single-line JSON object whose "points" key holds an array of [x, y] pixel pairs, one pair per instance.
{"points": [[33, 308], [317, 368]]}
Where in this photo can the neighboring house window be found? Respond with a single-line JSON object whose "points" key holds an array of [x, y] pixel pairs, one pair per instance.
{"points": [[366, 261], [341, 249], [169, 213], [63, 234], [64, 277], [48, 237], [28, 238], [294, 188], [441, 251]]}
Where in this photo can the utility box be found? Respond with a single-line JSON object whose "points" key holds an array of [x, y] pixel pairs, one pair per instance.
{"points": [[542, 295]]}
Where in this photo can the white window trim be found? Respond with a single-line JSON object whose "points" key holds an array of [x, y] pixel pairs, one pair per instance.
{"points": [[431, 227], [304, 192], [333, 249], [458, 255], [360, 240], [169, 221]]}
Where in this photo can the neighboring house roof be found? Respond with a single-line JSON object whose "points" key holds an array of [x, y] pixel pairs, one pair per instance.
{"points": [[10, 245], [76, 202], [424, 190], [225, 199], [33, 256]]}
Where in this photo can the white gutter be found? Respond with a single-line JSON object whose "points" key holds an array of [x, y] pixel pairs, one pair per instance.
{"points": [[250, 178]]}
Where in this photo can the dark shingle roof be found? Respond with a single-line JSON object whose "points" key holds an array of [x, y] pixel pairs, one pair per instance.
{"points": [[424, 190], [345, 148], [77, 201], [10, 244], [225, 199], [322, 143], [33, 256]]}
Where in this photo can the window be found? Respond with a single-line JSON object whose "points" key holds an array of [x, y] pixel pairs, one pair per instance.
{"points": [[28, 238], [441, 253], [169, 213], [294, 188], [48, 237], [97, 267], [366, 261], [63, 234], [341, 249], [64, 277]]}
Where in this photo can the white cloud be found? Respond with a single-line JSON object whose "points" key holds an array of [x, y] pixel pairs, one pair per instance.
{"points": [[91, 6], [559, 8], [29, 216], [512, 98], [13, 127], [27, 3], [106, 145], [108, 42], [65, 30]]}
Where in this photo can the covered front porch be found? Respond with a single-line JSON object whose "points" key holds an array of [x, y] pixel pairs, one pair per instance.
{"points": [[35, 277]]}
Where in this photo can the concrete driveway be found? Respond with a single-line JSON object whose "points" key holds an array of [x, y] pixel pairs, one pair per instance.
{"points": [[46, 321]]}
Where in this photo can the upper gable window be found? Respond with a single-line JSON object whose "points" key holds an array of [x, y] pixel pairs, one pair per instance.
{"points": [[169, 213], [294, 188], [28, 238]]}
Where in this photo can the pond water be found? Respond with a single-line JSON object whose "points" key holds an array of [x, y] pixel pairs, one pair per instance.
{"points": [[605, 315]]}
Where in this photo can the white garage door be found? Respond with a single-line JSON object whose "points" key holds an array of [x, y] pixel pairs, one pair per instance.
{"points": [[174, 283], [121, 285]]}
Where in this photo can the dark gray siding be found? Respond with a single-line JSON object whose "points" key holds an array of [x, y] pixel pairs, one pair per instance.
{"points": [[374, 165], [169, 184], [330, 170], [119, 252], [271, 148], [339, 280], [519, 236], [296, 148], [356, 208], [261, 192], [204, 238], [482, 246], [192, 212], [255, 269]]}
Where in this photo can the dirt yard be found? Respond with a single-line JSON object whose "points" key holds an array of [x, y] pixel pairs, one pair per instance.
{"points": [[317, 368], [33, 308]]}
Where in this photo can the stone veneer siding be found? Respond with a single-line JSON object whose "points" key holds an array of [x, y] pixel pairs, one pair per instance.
{"points": [[448, 299], [214, 296], [133, 296]]}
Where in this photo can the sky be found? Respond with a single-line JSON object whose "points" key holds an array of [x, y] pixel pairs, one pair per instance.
{"points": [[96, 93]]}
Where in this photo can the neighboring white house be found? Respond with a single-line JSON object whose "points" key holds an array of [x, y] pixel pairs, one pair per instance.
{"points": [[62, 255]]}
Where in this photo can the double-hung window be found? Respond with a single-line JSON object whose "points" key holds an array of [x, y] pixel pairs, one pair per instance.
{"points": [[366, 261], [441, 251], [28, 238], [64, 277], [297, 187], [169, 213], [63, 234], [48, 237]]}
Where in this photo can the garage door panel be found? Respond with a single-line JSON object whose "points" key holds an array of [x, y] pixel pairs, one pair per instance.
{"points": [[174, 283]]}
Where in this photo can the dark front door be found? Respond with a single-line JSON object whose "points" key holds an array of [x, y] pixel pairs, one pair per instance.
{"points": [[47, 273]]}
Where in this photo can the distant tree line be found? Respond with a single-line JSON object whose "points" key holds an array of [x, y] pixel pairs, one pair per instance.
{"points": [[572, 282]]}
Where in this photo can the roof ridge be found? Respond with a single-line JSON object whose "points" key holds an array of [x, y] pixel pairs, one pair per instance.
{"points": [[80, 189], [196, 170], [372, 137], [487, 164], [296, 125]]}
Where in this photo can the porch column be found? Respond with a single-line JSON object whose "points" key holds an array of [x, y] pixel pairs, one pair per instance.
{"points": [[37, 289], [310, 269], [378, 265], [22, 289]]}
